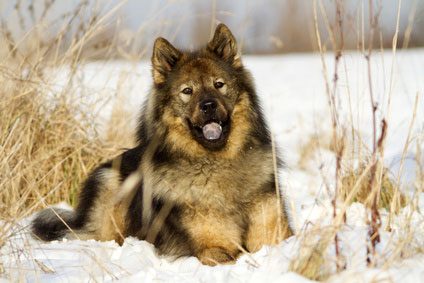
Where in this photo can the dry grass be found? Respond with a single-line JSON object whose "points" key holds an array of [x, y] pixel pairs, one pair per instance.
{"points": [[362, 178], [313, 261], [48, 141], [45, 146], [353, 177]]}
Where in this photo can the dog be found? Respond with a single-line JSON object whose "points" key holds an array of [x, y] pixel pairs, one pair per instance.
{"points": [[202, 179]]}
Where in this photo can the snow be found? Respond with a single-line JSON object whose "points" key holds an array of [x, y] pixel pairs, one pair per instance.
{"points": [[292, 89]]}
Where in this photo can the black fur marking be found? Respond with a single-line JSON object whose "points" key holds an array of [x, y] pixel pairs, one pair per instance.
{"points": [[89, 194], [131, 161], [134, 215], [171, 229], [161, 156], [269, 186], [141, 133], [260, 130]]}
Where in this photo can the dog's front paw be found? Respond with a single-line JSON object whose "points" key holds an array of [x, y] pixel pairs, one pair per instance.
{"points": [[216, 255]]}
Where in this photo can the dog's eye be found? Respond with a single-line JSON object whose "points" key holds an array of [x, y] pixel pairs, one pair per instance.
{"points": [[187, 90], [218, 84]]}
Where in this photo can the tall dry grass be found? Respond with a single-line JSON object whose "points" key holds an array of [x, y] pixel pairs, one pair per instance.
{"points": [[361, 174], [48, 137]]}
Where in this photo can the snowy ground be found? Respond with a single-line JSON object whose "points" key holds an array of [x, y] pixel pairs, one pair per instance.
{"points": [[292, 89]]}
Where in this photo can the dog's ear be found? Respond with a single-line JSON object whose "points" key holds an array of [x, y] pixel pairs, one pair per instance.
{"points": [[164, 58], [224, 45]]}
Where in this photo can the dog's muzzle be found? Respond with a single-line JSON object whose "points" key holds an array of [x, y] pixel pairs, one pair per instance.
{"points": [[212, 126], [212, 130]]}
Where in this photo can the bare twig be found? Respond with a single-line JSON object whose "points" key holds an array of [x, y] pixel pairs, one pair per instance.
{"points": [[374, 190]]}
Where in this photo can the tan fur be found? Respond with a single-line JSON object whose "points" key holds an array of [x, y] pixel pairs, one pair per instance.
{"points": [[268, 224], [108, 217], [237, 137], [179, 137], [158, 77], [216, 237], [213, 182]]}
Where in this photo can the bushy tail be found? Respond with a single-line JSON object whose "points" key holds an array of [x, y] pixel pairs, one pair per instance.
{"points": [[49, 224]]}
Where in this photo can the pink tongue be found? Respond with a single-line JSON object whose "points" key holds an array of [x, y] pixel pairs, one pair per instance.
{"points": [[212, 131]]}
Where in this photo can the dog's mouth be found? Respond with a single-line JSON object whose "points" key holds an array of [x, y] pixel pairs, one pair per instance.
{"points": [[212, 134], [211, 130]]}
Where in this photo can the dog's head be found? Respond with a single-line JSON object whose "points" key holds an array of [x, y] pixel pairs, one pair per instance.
{"points": [[199, 91]]}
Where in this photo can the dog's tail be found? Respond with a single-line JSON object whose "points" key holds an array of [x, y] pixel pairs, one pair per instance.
{"points": [[54, 223]]}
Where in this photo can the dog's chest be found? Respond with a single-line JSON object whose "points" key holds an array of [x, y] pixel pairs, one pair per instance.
{"points": [[211, 184]]}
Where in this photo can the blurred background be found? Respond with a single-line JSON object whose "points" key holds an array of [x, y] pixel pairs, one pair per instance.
{"points": [[128, 28]]}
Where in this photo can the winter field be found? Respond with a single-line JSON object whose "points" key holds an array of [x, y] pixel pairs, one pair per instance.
{"points": [[293, 92]]}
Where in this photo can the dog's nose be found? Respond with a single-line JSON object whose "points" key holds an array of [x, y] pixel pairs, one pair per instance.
{"points": [[208, 106]]}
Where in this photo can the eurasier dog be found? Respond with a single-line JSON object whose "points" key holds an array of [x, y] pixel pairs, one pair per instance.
{"points": [[201, 181]]}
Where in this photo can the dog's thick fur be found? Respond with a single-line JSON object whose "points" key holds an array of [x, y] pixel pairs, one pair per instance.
{"points": [[186, 194]]}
